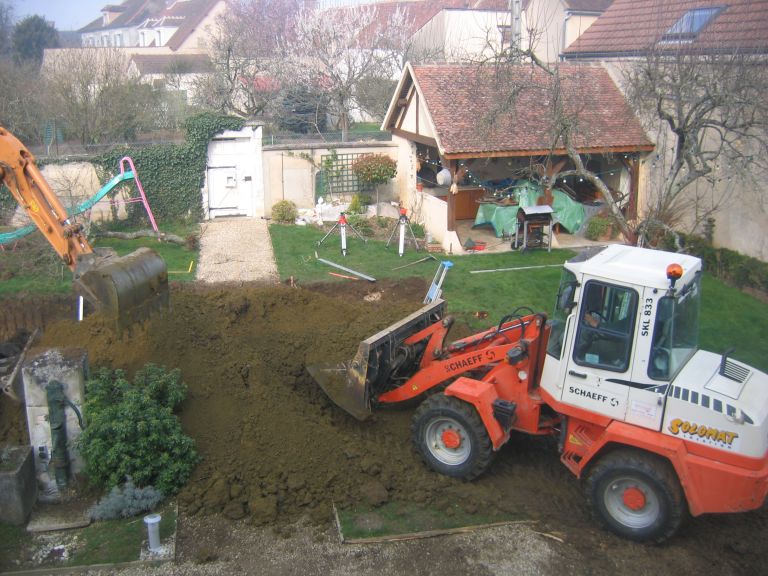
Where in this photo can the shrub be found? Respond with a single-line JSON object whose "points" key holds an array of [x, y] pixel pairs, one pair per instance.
{"points": [[728, 265], [361, 224], [132, 430], [285, 212], [356, 205], [374, 169], [599, 227], [126, 501]]}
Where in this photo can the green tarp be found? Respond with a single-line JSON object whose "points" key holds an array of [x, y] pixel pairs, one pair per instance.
{"points": [[567, 212]]}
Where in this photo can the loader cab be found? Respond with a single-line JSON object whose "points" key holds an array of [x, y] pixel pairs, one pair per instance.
{"points": [[620, 332]]}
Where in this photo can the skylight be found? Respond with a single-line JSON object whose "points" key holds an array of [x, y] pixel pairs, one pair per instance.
{"points": [[687, 28]]}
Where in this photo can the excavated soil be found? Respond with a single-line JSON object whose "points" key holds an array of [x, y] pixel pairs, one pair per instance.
{"points": [[275, 449]]}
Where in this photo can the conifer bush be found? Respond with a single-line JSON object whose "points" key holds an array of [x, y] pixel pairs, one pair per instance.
{"points": [[131, 430]]}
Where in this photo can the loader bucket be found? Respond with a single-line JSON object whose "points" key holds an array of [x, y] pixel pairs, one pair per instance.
{"points": [[128, 289], [353, 385]]}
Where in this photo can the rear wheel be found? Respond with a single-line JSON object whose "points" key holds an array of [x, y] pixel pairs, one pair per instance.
{"points": [[451, 437], [636, 496]]}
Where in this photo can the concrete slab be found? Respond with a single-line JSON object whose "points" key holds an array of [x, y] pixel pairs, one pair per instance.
{"points": [[65, 515]]}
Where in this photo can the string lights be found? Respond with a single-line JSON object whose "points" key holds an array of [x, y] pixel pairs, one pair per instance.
{"points": [[523, 173]]}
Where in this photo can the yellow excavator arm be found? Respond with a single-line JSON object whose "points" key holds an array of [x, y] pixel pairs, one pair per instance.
{"points": [[19, 173], [128, 288]]}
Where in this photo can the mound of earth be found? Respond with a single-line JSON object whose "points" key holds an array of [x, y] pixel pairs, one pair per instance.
{"points": [[273, 445], [275, 448]]}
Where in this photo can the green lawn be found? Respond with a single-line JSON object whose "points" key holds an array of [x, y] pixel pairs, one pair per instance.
{"points": [[728, 316], [34, 268], [102, 542]]}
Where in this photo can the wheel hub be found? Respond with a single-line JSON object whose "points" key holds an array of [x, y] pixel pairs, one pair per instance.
{"points": [[450, 438], [634, 498]]}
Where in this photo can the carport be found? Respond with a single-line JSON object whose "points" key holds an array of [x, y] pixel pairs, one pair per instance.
{"points": [[470, 155]]}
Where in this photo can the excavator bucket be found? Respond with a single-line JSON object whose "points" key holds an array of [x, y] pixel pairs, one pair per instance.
{"points": [[353, 385], [128, 289]]}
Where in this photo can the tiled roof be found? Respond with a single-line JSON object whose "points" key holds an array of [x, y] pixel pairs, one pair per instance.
{"points": [[461, 103], [194, 13], [171, 63], [588, 5], [635, 26], [576, 5], [132, 13], [417, 13], [187, 14]]}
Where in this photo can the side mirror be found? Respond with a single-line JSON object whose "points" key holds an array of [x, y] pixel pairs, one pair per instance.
{"points": [[565, 297]]}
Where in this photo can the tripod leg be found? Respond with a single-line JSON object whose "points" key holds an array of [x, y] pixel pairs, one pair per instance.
{"points": [[319, 242], [356, 232], [394, 231]]}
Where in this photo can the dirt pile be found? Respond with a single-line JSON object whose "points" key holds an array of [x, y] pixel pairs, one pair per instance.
{"points": [[273, 445]]}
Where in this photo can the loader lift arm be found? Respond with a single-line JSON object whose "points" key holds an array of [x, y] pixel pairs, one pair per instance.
{"points": [[128, 289]]}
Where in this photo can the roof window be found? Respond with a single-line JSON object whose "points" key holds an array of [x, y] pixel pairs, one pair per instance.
{"points": [[690, 24]]}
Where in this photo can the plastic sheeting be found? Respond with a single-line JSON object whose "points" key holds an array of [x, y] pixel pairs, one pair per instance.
{"points": [[567, 212]]}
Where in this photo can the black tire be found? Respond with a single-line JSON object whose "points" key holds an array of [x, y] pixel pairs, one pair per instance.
{"points": [[637, 496], [442, 419]]}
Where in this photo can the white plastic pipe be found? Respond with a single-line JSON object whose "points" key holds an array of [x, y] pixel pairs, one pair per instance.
{"points": [[153, 531], [401, 245]]}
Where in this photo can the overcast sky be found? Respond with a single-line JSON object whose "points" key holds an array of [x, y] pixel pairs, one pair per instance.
{"points": [[66, 14]]}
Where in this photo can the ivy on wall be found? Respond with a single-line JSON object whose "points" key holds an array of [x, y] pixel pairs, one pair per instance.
{"points": [[171, 174]]}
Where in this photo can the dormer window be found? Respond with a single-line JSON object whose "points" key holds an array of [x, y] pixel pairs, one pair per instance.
{"points": [[690, 24]]}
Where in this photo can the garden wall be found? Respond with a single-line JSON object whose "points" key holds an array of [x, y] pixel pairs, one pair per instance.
{"points": [[291, 172]]}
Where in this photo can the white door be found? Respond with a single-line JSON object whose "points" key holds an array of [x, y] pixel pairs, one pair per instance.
{"points": [[234, 175], [223, 191]]}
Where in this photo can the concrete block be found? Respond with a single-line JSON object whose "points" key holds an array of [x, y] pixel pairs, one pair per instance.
{"points": [[18, 488], [68, 366]]}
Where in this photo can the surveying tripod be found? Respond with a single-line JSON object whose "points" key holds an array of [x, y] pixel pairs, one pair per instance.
{"points": [[401, 224], [342, 224]]}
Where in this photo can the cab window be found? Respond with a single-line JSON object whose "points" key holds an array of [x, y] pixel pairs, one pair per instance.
{"points": [[563, 307], [605, 327]]}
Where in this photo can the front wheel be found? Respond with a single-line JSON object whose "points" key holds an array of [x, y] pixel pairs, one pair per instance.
{"points": [[636, 496], [451, 437]]}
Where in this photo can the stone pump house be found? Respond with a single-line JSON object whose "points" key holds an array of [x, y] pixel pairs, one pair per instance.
{"points": [[469, 134]]}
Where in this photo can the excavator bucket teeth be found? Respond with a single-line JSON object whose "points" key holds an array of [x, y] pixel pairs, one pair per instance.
{"points": [[128, 289], [354, 385]]}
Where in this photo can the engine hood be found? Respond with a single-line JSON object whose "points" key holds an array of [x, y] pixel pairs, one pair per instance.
{"points": [[731, 388]]}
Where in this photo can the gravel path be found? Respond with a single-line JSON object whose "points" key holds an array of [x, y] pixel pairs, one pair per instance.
{"points": [[236, 249]]}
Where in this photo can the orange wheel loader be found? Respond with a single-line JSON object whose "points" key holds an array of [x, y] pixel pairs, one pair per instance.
{"points": [[657, 428], [127, 289]]}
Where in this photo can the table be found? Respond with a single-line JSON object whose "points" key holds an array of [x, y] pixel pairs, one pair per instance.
{"points": [[502, 218]]}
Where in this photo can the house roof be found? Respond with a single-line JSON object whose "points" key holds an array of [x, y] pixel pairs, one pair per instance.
{"points": [[463, 110], [186, 14], [132, 13], [575, 5], [636, 26], [171, 63], [194, 13], [417, 13]]}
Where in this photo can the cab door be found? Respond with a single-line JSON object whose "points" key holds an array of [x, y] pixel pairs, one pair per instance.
{"points": [[599, 360]]}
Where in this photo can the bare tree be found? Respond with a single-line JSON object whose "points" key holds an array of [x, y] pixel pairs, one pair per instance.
{"points": [[20, 100], [707, 112], [343, 52], [95, 95], [246, 47], [6, 27], [710, 116]]}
